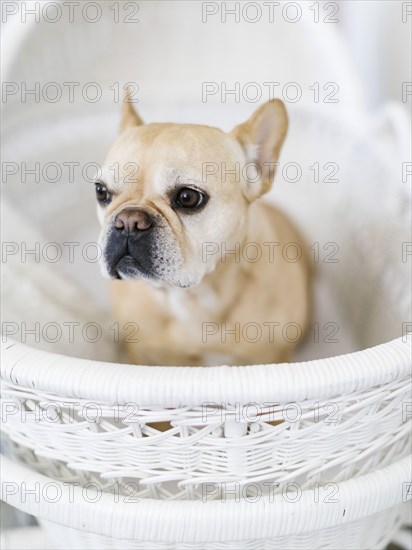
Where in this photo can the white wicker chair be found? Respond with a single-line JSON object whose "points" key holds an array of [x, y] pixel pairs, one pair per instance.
{"points": [[335, 472], [322, 458]]}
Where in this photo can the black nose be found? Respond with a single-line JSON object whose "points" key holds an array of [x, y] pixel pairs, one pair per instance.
{"points": [[131, 220]]}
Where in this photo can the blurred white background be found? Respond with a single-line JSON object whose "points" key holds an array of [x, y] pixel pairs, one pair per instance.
{"points": [[377, 33], [380, 43]]}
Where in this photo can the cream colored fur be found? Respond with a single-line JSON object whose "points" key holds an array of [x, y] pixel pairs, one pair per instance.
{"points": [[199, 292]]}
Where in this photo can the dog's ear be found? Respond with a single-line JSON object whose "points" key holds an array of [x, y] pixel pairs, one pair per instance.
{"points": [[261, 138], [129, 116]]}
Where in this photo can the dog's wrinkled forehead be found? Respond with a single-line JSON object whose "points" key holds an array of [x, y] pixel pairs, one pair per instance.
{"points": [[160, 155]]}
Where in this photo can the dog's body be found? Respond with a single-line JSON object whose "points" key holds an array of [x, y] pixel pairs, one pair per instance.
{"points": [[223, 276], [243, 312]]}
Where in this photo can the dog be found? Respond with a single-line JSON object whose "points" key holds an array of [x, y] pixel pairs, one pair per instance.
{"points": [[198, 262]]}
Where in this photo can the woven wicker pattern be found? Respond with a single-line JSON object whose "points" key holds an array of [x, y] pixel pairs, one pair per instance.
{"points": [[266, 523], [201, 451]]}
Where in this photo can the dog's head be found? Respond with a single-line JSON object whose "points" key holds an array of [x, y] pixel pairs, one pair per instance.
{"points": [[166, 190]]}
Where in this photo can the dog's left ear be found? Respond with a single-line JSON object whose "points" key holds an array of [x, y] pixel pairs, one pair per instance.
{"points": [[129, 116], [261, 138]]}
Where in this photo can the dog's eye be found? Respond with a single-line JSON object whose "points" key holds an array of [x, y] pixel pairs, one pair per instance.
{"points": [[189, 198], [102, 194]]}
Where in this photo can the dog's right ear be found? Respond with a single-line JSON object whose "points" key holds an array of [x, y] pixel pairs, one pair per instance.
{"points": [[129, 116]]}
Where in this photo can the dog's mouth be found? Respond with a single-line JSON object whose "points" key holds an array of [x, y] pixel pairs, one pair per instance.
{"points": [[148, 255], [128, 267], [124, 267], [127, 258]]}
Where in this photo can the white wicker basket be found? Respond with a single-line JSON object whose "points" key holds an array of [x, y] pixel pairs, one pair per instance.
{"points": [[321, 456], [335, 472]]}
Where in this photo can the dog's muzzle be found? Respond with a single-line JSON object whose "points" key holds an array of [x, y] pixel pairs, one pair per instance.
{"points": [[129, 244]]}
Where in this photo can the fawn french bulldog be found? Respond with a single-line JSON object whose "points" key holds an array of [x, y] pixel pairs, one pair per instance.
{"points": [[192, 249]]}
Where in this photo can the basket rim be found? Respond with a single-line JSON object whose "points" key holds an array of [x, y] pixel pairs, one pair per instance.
{"points": [[39, 371], [197, 521]]}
